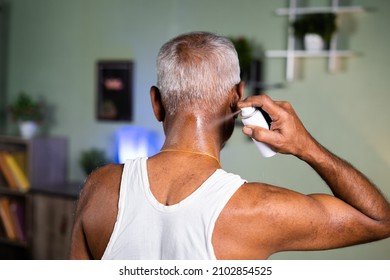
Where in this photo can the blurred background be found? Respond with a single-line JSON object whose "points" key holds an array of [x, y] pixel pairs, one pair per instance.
{"points": [[52, 51]]}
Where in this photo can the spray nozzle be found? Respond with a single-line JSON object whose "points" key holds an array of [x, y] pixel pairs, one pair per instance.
{"points": [[247, 112]]}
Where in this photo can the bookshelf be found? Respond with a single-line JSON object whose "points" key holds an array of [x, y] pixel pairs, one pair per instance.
{"points": [[35, 163], [14, 247]]}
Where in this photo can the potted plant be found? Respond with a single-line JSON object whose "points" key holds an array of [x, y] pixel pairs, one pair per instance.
{"points": [[92, 159], [244, 50], [28, 113], [311, 27]]}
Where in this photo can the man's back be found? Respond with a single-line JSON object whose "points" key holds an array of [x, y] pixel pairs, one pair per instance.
{"points": [[148, 229], [183, 176]]}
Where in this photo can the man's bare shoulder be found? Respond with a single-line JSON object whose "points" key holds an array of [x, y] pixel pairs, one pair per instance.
{"points": [[105, 175], [97, 210], [255, 193], [268, 200], [254, 204], [101, 183], [244, 227], [254, 220]]}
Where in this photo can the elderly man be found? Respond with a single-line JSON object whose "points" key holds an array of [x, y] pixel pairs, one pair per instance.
{"points": [[180, 203]]}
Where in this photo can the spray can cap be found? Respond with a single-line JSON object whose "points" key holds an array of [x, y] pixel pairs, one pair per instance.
{"points": [[247, 112]]}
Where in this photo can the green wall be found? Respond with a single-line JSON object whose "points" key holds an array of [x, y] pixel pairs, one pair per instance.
{"points": [[54, 45], [4, 13]]}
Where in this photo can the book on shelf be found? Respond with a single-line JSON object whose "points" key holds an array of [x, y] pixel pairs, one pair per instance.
{"points": [[18, 215], [13, 168], [12, 219], [7, 219], [7, 173]]}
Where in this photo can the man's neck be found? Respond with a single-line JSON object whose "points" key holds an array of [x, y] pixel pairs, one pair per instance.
{"points": [[193, 133]]}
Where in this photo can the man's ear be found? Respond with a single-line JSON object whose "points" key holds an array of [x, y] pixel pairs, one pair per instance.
{"points": [[240, 90], [158, 108], [237, 95]]}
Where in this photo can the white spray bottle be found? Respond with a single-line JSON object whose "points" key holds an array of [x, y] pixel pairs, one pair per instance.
{"points": [[253, 116]]}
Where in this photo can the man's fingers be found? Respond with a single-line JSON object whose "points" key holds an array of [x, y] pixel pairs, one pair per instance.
{"points": [[263, 101], [261, 134], [253, 101]]}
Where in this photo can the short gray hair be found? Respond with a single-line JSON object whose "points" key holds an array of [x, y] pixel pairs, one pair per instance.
{"points": [[197, 68]]}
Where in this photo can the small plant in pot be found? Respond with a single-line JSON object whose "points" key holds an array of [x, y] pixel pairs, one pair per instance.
{"points": [[92, 159], [28, 113], [311, 26]]}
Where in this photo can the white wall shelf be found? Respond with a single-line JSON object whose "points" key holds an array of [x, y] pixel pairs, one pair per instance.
{"points": [[311, 10], [291, 53], [302, 53]]}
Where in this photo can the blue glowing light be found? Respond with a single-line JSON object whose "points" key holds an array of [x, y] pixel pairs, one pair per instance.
{"points": [[132, 142]]}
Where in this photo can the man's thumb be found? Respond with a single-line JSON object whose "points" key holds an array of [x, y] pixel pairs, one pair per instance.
{"points": [[248, 131], [259, 134]]}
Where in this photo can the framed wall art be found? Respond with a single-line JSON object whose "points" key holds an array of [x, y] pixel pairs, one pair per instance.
{"points": [[114, 90]]}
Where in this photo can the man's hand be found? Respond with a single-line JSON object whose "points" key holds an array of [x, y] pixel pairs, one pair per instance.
{"points": [[287, 134]]}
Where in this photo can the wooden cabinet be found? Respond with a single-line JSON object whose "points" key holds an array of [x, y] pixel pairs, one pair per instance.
{"points": [[52, 217]]}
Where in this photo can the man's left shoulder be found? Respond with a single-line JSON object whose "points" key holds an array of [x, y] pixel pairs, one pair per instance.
{"points": [[111, 169], [102, 183]]}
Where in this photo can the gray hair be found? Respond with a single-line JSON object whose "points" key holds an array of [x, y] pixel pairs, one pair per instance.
{"points": [[196, 68]]}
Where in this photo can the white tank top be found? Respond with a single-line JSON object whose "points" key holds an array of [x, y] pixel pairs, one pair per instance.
{"points": [[148, 230]]}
